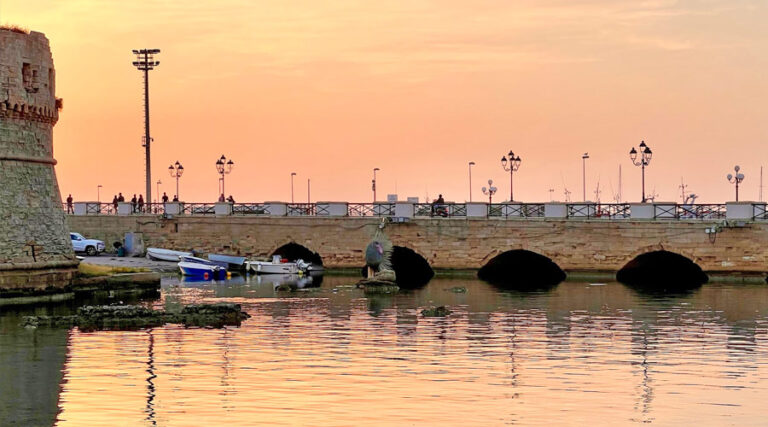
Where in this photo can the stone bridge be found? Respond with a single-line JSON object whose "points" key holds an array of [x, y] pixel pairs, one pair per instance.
{"points": [[604, 245]]}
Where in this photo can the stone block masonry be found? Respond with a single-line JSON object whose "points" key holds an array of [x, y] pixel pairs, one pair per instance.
{"points": [[450, 243], [35, 249]]}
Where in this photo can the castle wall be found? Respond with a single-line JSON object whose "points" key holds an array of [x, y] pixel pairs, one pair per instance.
{"points": [[35, 250]]}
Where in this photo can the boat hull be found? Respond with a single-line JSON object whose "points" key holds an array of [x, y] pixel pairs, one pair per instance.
{"points": [[158, 254], [207, 272], [263, 267]]}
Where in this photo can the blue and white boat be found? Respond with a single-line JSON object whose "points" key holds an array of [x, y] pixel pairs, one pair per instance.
{"points": [[198, 267], [233, 262]]}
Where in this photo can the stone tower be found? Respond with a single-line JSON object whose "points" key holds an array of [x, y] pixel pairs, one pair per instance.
{"points": [[35, 249]]}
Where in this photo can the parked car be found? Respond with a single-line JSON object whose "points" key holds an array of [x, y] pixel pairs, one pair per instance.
{"points": [[91, 247]]}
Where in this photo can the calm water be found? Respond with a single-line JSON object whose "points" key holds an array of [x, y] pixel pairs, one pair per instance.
{"points": [[583, 353]]}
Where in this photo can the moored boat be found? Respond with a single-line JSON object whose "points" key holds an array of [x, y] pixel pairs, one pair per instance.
{"points": [[158, 254], [278, 265], [233, 262], [206, 271]]}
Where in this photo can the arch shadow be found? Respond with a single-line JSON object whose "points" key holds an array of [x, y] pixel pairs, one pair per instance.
{"points": [[662, 272], [293, 251], [412, 270], [522, 270]]}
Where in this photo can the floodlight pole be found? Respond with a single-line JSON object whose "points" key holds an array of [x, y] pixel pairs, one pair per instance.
{"points": [[145, 62]]}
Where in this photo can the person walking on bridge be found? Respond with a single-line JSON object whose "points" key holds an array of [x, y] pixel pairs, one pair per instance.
{"points": [[114, 203], [141, 203], [70, 210]]}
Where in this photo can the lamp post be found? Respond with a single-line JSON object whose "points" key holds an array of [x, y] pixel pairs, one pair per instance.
{"points": [[643, 161], [490, 191], [292, 175], [736, 179], [145, 62], [584, 175], [98, 193], [176, 170], [514, 165], [470, 180], [373, 183], [157, 197], [224, 167]]}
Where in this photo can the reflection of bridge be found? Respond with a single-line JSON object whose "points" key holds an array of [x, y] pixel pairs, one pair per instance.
{"points": [[577, 237]]}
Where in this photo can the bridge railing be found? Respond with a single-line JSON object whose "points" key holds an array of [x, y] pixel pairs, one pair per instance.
{"points": [[751, 211], [444, 210], [516, 210], [371, 209]]}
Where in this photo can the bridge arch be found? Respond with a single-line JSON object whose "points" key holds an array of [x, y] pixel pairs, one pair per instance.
{"points": [[659, 269], [521, 269], [293, 251], [412, 270]]}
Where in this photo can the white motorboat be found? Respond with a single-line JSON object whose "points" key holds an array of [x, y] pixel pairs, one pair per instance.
{"points": [[277, 266], [158, 254]]}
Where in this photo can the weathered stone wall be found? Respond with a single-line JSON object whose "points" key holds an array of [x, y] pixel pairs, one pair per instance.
{"points": [[451, 243], [35, 250]]}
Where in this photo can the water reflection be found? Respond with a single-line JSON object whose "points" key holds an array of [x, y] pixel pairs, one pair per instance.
{"points": [[329, 355]]}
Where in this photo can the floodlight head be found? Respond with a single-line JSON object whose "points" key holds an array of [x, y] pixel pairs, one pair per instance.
{"points": [[484, 190], [740, 176], [729, 176], [736, 168], [490, 182]]}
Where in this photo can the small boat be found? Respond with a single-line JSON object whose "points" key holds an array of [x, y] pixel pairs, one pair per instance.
{"points": [[206, 271], [314, 267], [197, 260], [234, 262], [278, 265], [158, 254]]}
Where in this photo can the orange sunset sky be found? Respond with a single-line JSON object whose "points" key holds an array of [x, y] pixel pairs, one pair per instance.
{"points": [[418, 88]]}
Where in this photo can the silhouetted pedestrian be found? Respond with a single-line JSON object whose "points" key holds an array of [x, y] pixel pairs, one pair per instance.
{"points": [[114, 203], [120, 197], [231, 199], [165, 197], [133, 204], [141, 203], [70, 209], [175, 198], [221, 198]]}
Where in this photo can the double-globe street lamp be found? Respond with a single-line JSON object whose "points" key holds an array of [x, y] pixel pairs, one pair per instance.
{"points": [[490, 191], [224, 167], [176, 170], [736, 179], [643, 161], [514, 165]]}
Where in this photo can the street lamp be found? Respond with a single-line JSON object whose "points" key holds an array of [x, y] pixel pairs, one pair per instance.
{"points": [[157, 198], [514, 165], [584, 174], [292, 175], [224, 167], [490, 191], [176, 170], [98, 195], [470, 180], [145, 61], [373, 184], [645, 159], [736, 179]]}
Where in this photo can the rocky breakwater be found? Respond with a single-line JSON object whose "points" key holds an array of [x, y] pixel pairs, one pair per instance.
{"points": [[128, 317]]}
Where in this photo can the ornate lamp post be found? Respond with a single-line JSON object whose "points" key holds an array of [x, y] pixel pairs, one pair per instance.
{"points": [[292, 175], [470, 180], [98, 193], [514, 165], [176, 170], [643, 161], [490, 191], [224, 167], [373, 184], [736, 179]]}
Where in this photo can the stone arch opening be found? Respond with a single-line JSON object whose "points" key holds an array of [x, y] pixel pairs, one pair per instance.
{"points": [[662, 271], [293, 251], [520, 269], [411, 269]]}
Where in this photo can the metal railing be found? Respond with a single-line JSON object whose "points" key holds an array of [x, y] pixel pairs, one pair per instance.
{"points": [[443, 210], [250, 209], [516, 210], [371, 209]]}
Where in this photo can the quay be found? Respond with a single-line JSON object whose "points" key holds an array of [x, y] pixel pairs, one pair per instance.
{"points": [[722, 239]]}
